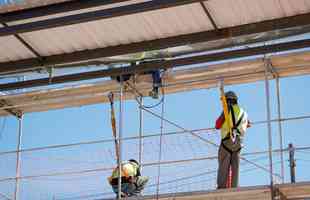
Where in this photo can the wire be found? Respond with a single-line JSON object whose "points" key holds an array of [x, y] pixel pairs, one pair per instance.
{"points": [[154, 105]]}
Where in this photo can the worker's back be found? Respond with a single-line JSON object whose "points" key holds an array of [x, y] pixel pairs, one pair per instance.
{"points": [[239, 114], [128, 169]]}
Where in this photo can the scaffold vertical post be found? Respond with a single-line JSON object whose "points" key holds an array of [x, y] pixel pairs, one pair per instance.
{"points": [[18, 156], [280, 128], [141, 130], [120, 129], [267, 87], [292, 162]]}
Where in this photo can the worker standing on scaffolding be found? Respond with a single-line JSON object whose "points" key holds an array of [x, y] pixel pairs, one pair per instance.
{"points": [[231, 143], [132, 181]]}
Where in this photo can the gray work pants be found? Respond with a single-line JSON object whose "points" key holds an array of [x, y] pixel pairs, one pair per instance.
{"points": [[225, 160]]}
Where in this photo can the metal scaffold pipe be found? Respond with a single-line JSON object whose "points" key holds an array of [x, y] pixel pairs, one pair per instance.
{"points": [[267, 88], [120, 134], [140, 131], [18, 156], [280, 127], [292, 162]]}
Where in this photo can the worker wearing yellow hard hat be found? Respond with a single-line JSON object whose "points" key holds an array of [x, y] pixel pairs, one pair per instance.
{"points": [[132, 181], [232, 133]]}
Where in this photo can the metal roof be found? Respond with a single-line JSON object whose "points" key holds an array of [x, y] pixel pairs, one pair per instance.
{"points": [[27, 4]]}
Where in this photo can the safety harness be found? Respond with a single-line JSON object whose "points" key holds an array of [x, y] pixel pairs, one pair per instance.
{"points": [[232, 142]]}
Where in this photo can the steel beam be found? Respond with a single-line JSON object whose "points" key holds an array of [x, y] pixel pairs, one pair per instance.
{"points": [[93, 16], [205, 9], [26, 44], [52, 9], [205, 36], [145, 67]]}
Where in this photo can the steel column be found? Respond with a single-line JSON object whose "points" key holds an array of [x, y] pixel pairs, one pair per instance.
{"points": [[269, 128]]}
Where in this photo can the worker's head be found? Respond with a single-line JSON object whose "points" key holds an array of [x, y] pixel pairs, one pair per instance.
{"points": [[231, 97]]}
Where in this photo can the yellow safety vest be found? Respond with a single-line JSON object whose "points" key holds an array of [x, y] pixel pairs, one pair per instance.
{"points": [[128, 169], [225, 129]]}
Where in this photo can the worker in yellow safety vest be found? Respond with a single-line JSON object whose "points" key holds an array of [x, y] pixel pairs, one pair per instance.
{"points": [[132, 181], [231, 141]]}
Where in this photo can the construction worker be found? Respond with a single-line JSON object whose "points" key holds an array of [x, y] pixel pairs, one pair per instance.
{"points": [[231, 142], [132, 181]]}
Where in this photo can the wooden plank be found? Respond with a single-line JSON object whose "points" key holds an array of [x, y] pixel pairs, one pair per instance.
{"points": [[292, 191], [295, 191]]}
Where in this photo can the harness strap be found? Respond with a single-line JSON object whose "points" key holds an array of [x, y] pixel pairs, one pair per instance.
{"points": [[235, 125]]}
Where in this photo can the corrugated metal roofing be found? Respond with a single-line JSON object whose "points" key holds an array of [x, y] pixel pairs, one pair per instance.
{"points": [[146, 26], [12, 49], [229, 13], [121, 30], [25, 4]]}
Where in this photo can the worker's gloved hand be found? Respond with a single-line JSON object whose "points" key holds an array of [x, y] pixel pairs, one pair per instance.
{"points": [[249, 124]]}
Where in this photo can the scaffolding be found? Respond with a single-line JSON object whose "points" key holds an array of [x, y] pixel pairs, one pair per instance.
{"points": [[222, 57]]}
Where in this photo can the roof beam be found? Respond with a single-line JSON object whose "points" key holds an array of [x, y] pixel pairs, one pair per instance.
{"points": [[52, 9], [271, 25], [145, 67], [93, 16], [26, 44], [205, 9]]}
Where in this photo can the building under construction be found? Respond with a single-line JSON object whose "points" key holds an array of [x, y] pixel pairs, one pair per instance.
{"points": [[61, 60]]}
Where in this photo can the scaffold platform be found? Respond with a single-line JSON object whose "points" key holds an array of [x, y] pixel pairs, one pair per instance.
{"points": [[288, 191]]}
